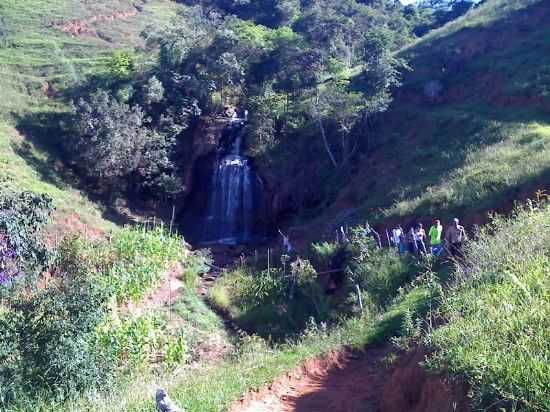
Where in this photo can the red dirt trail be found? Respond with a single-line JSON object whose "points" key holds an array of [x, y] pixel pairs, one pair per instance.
{"points": [[337, 383], [86, 26], [358, 382]]}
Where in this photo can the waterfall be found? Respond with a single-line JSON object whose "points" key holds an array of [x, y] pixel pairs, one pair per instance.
{"points": [[235, 212]]}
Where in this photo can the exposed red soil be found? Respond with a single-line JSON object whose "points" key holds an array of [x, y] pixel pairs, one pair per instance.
{"points": [[412, 389], [358, 382], [66, 225], [169, 292], [86, 26]]}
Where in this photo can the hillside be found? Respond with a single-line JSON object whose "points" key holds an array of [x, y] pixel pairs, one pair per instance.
{"points": [[244, 123], [46, 47], [469, 130]]}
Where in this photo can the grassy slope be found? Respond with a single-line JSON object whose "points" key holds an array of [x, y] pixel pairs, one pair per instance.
{"points": [[213, 388], [35, 54], [486, 140], [499, 314]]}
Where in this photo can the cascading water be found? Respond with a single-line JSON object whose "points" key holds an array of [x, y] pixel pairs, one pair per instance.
{"points": [[235, 212]]}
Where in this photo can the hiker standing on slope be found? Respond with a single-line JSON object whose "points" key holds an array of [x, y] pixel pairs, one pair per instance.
{"points": [[435, 238], [420, 239], [455, 235], [398, 239]]}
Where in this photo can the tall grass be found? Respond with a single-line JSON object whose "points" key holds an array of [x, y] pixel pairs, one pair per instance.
{"points": [[498, 314], [142, 257]]}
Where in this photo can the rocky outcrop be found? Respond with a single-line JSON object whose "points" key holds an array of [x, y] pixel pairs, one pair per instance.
{"points": [[205, 139]]}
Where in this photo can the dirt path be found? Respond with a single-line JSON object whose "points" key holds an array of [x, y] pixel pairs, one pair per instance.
{"points": [[352, 381], [340, 382]]}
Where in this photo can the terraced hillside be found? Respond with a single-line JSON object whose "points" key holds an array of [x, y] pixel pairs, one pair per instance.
{"points": [[46, 46]]}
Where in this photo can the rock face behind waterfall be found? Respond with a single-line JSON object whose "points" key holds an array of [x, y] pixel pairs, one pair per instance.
{"points": [[228, 205]]}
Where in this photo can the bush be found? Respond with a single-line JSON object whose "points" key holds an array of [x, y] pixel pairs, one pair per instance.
{"points": [[378, 272], [122, 64], [498, 312], [63, 338], [48, 339], [23, 254]]}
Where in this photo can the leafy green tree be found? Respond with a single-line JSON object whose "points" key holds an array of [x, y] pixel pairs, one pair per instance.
{"points": [[109, 138], [153, 91], [336, 102]]}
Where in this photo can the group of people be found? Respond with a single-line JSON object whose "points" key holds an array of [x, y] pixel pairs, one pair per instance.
{"points": [[415, 240]]}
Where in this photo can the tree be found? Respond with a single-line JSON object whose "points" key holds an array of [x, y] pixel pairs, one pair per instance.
{"points": [[346, 104], [109, 138], [336, 102], [153, 91], [120, 148], [23, 253], [437, 13]]}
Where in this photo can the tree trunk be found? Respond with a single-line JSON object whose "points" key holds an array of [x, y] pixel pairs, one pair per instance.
{"points": [[323, 133], [325, 141]]}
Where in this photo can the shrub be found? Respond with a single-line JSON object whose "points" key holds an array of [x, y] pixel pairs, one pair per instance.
{"points": [[63, 338], [122, 64], [324, 252], [379, 272], [47, 339], [196, 263], [23, 254]]}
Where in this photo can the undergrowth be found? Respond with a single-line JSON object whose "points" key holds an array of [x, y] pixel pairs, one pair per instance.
{"points": [[497, 328], [79, 327]]}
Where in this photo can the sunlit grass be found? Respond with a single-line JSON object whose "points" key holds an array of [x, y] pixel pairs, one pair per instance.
{"points": [[35, 55], [498, 315]]}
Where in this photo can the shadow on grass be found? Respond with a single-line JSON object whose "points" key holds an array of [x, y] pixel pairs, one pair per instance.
{"points": [[43, 151]]}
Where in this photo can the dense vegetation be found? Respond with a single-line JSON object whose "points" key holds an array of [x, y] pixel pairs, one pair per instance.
{"points": [[505, 365], [498, 313], [292, 73], [368, 109], [65, 322]]}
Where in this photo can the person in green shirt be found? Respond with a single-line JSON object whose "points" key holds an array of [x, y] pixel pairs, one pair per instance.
{"points": [[434, 234]]}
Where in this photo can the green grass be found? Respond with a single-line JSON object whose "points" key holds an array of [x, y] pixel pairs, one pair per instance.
{"points": [[485, 15], [141, 259], [36, 171], [470, 158], [486, 141], [34, 54], [498, 315], [213, 388]]}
